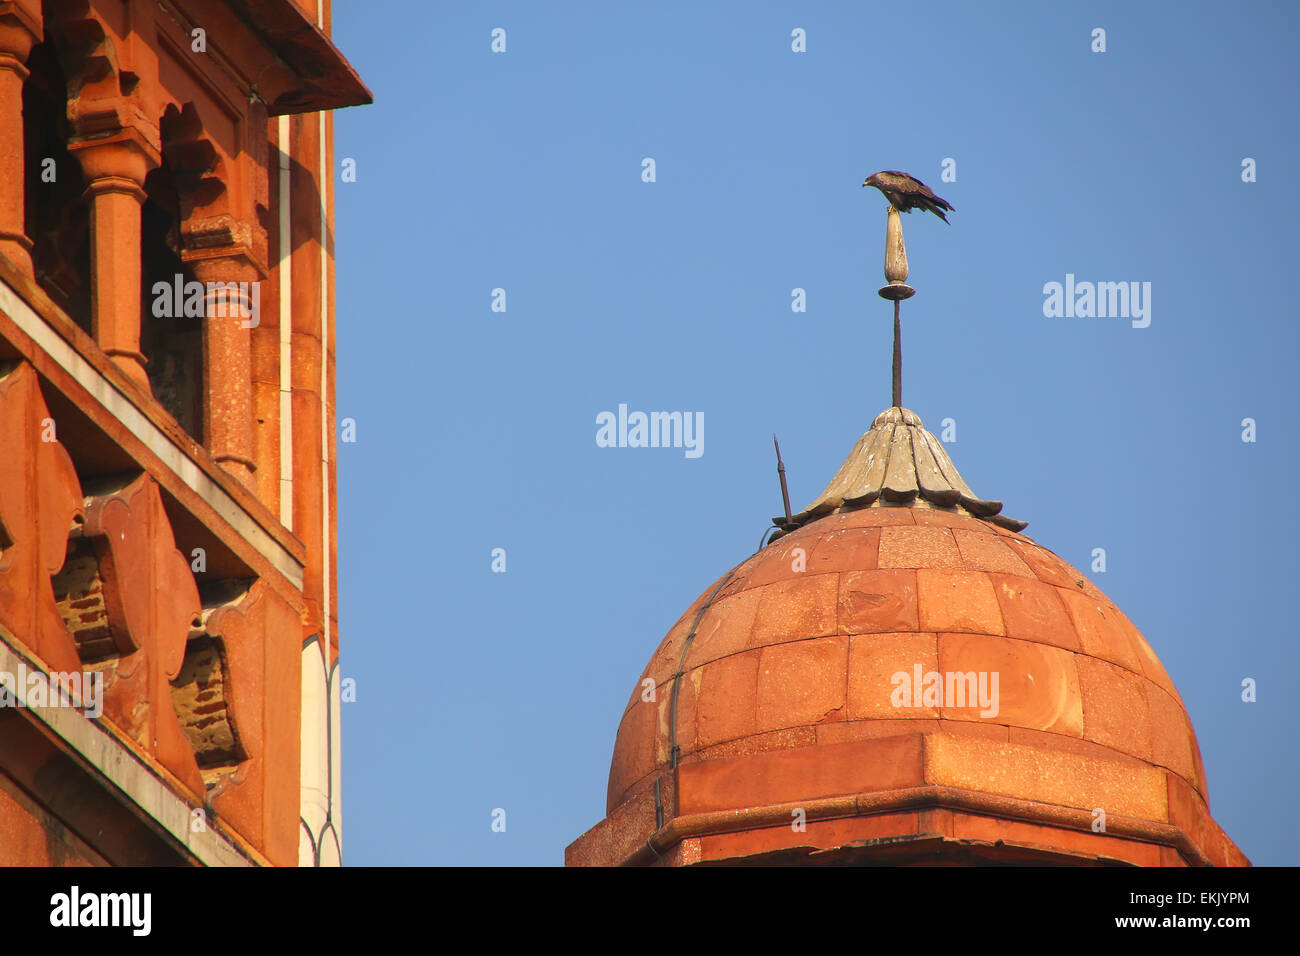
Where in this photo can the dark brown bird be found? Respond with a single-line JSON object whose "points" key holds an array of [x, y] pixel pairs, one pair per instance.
{"points": [[906, 193]]}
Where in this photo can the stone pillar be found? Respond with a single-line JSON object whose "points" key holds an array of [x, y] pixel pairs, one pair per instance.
{"points": [[115, 168], [19, 30], [233, 310]]}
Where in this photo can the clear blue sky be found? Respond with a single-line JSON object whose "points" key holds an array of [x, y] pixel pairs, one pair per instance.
{"points": [[476, 429]]}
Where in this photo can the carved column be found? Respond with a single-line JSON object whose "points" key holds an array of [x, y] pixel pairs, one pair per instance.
{"points": [[233, 310], [225, 246], [115, 167], [20, 28]]}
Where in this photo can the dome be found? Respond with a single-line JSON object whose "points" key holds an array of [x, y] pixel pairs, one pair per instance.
{"points": [[901, 678]]}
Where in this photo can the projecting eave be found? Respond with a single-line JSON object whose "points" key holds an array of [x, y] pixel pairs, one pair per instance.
{"points": [[897, 462], [327, 80]]}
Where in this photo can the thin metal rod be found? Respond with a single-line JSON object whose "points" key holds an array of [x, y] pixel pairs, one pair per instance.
{"points": [[785, 492], [898, 358]]}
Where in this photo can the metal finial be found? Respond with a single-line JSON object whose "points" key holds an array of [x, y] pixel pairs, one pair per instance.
{"points": [[897, 291], [895, 260], [780, 470]]}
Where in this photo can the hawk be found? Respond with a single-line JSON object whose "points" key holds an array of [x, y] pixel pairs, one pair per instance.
{"points": [[906, 193]]}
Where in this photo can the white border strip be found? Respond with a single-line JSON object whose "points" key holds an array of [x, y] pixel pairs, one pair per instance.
{"points": [[326, 184], [121, 408]]}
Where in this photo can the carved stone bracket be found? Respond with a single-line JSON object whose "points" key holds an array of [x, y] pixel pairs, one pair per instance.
{"points": [[257, 630], [157, 603], [40, 500], [105, 94]]}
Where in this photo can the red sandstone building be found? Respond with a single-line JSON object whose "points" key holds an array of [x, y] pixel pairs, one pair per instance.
{"points": [[167, 432], [770, 725]]}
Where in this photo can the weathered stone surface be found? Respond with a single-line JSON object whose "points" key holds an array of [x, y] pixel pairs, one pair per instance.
{"points": [[256, 787], [898, 461], [791, 705]]}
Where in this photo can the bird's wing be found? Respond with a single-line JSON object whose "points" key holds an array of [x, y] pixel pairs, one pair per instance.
{"points": [[896, 180], [907, 184], [923, 190]]}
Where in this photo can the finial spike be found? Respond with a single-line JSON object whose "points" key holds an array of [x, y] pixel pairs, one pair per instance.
{"points": [[780, 470], [898, 359]]}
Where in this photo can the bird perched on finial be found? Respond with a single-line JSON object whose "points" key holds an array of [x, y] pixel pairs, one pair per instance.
{"points": [[906, 193]]}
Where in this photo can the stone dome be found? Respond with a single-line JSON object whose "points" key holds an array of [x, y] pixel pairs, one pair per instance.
{"points": [[903, 681]]}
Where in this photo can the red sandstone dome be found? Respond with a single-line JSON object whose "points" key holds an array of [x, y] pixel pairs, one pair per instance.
{"points": [[779, 729]]}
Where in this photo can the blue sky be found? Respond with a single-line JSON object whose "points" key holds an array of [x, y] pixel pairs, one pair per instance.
{"points": [[476, 429]]}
